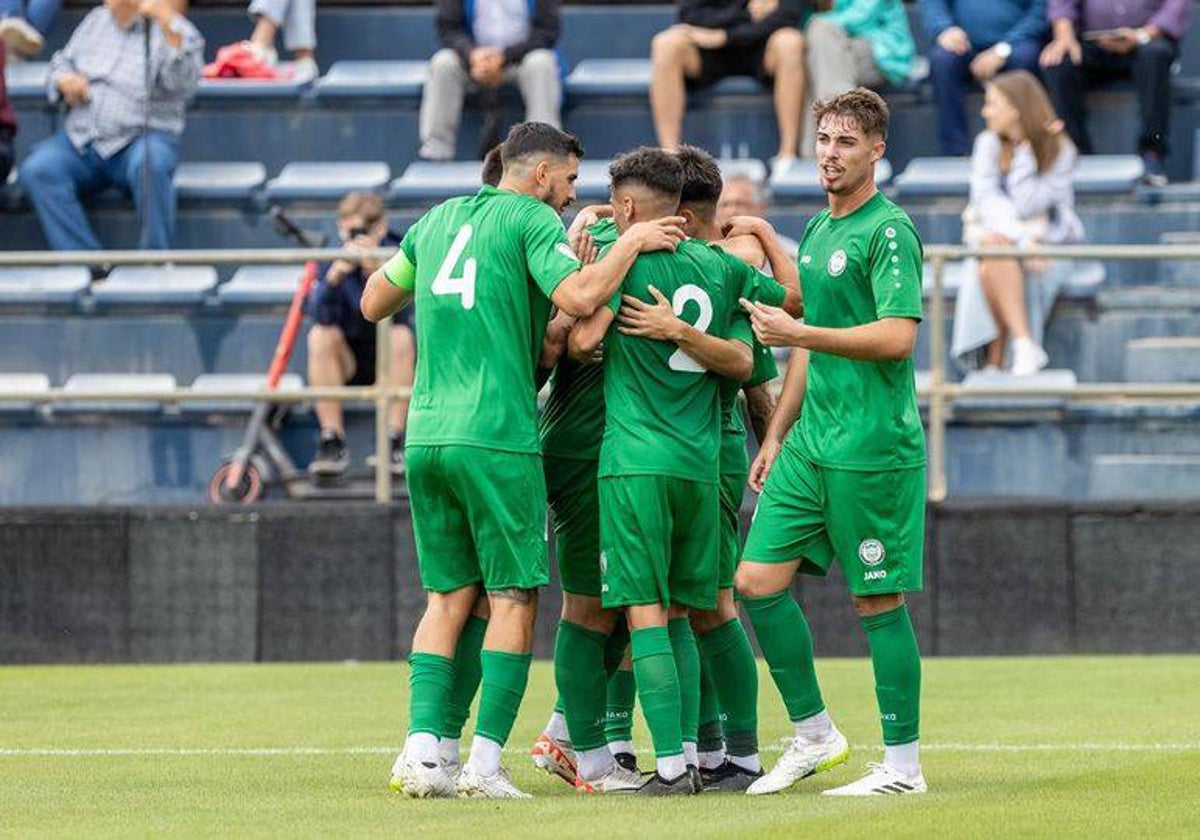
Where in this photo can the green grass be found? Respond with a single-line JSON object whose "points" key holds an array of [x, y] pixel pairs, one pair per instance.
{"points": [[1015, 747]]}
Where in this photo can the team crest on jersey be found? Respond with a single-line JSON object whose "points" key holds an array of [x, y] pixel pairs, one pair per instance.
{"points": [[871, 552], [837, 263], [565, 249], [806, 259]]}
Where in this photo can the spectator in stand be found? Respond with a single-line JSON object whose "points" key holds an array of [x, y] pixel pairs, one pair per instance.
{"points": [[8, 123], [487, 43], [101, 76], [719, 38], [298, 20], [1097, 40], [976, 39], [1021, 194], [25, 23], [341, 343], [857, 43], [742, 195]]}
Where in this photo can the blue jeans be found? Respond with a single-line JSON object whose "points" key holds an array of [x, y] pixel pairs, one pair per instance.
{"points": [[40, 14], [56, 176], [952, 78]]}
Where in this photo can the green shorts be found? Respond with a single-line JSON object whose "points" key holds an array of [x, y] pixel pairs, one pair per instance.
{"points": [[479, 515], [661, 540], [731, 489], [874, 522], [575, 499]]}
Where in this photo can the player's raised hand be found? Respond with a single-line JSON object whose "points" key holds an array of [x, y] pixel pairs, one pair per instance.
{"points": [[585, 248], [663, 234], [648, 320], [772, 326], [747, 226], [767, 453]]}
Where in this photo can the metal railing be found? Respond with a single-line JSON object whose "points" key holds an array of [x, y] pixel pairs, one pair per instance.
{"points": [[939, 392]]}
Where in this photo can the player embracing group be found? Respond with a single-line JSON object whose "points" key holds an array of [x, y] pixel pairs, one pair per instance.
{"points": [[649, 319]]}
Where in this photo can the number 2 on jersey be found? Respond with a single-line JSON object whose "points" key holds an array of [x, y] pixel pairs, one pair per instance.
{"points": [[679, 360], [463, 285]]}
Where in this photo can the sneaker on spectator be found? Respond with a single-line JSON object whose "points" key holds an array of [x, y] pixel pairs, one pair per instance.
{"points": [[266, 55], [333, 456], [1155, 174], [396, 456], [304, 70], [22, 40], [1027, 357]]}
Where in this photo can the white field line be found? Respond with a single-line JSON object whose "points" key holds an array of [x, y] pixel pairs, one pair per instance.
{"points": [[270, 752]]}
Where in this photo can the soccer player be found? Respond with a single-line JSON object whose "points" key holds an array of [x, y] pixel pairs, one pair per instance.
{"points": [[484, 270], [850, 479], [728, 670], [659, 504]]}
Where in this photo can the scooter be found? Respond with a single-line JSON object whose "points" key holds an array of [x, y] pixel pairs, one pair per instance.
{"points": [[261, 463]]}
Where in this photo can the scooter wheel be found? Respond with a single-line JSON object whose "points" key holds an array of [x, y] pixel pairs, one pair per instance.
{"points": [[247, 491]]}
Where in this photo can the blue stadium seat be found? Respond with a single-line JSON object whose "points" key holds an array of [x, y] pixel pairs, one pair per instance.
{"points": [[261, 285], [1045, 379], [599, 77], [748, 167], [1125, 477], [234, 88], [26, 79], [239, 382], [593, 182], [219, 180], [373, 78], [22, 383], [800, 179], [1180, 272], [59, 284], [101, 383], [424, 182], [328, 180], [951, 176], [142, 285], [1163, 359]]}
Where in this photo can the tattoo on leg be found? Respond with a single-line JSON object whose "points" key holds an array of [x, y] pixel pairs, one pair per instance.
{"points": [[520, 596]]}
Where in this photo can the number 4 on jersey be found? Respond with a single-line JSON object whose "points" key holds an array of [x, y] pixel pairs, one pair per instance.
{"points": [[444, 283], [679, 360]]}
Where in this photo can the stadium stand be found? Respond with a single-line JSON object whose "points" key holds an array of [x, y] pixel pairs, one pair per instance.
{"points": [[247, 144]]}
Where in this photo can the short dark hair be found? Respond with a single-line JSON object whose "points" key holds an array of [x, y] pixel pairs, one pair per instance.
{"points": [[653, 168], [702, 183], [862, 105], [493, 166], [530, 138]]}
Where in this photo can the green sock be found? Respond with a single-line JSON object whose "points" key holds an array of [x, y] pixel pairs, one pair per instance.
{"points": [[787, 645], [727, 654], [687, 663], [505, 676], [466, 678], [897, 663], [429, 680], [618, 708], [709, 735], [579, 672], [658, 688]]}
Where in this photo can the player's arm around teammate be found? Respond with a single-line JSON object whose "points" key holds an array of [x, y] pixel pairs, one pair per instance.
{"points": [[730, 358]]}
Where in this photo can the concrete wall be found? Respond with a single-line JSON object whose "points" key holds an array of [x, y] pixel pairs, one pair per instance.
{"points": [[329, 582]]}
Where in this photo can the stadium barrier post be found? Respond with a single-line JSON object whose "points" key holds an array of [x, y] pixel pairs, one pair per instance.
{"points": [[383, 401], [937, 381]]}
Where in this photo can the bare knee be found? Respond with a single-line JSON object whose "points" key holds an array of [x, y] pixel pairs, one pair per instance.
{"points": [[482, 608], [677, 611], [325, 340], [705, 621], [670, 48], [510, 603], [588, 613], [758, 580], [785, 48], [869, 605]]}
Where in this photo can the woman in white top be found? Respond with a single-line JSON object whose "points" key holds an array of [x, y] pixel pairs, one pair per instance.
{"points": [[1021, 194]]}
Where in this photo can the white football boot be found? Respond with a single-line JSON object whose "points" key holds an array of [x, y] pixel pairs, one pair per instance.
{"points": [[421, 779], [881, 780], [472, 785], [800, 760]]}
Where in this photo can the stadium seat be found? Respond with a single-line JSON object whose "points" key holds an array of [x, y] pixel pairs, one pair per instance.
{"points": [[58, 284], [347, 79], [593, 182], [260, 285], [800, 180], [284, 88], [219, 180], [22, 383], [951, 176], [1163, 359], [102, 383], [1174, 477], [599, 77], [26, 79], [424, 182], [156, 285], [1045, 379], [327, 180], [239, 382], [1180, 272]]}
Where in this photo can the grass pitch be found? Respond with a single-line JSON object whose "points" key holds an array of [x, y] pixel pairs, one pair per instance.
{"points": [[1013, 747]]}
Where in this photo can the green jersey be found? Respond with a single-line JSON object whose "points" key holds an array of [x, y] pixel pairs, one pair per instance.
{"points": [[663, 413], [860, 415], [485, 266], [572, 422]]}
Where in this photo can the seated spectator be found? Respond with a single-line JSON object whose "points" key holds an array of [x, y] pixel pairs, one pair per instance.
{"points": [[1021, 194], [1097, 41], [857, 43], [341, 343], [8, 123], [746, 196], [976, 39], [487, 43], [24, 25], [100, 75], [298, 20], [719, 38]]}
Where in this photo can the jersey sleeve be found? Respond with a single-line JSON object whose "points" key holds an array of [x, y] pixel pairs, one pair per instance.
{"points": [[896, 270], [401, 268], [760, 288], [604, 232], [765, 369], [547, 251], [740, 329]]}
